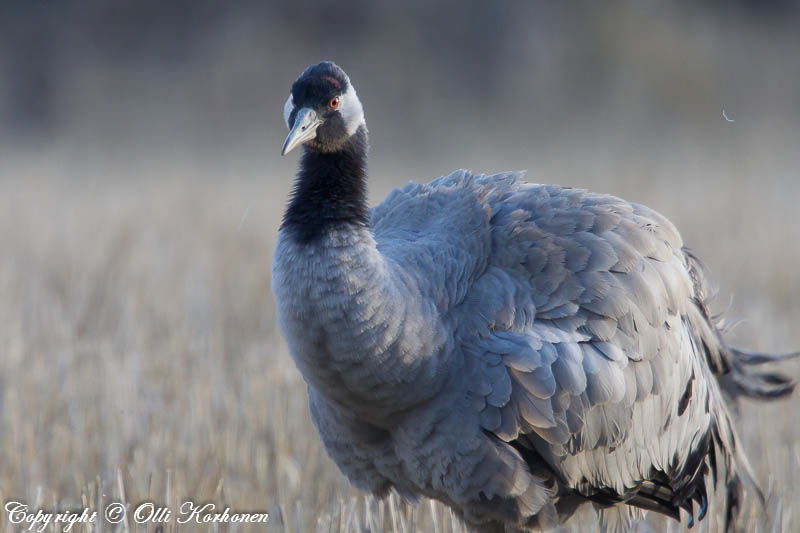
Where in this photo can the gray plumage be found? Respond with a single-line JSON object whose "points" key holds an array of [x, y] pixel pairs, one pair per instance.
{"points": [[515, 350]]}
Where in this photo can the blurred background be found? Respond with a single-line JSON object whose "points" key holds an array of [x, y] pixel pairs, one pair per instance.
{"points": [[141, 191]]}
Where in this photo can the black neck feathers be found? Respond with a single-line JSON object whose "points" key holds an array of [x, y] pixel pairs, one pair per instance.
{"points": [[330, 190]]}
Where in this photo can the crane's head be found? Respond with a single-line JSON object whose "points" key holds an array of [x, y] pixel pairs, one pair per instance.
{"points": [[322, 111]]}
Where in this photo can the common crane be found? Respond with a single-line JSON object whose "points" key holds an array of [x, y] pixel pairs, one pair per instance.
{"points": [[512, 350]]}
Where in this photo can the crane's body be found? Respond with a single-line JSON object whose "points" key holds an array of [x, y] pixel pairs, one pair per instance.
{"points": [[510, 349]]}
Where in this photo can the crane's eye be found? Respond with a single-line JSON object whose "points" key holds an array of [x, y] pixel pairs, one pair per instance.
{"points": [[292, 101], [334, 103]]}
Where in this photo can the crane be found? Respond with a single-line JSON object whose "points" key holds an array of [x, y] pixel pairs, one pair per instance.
{"points": [[513, 350]]}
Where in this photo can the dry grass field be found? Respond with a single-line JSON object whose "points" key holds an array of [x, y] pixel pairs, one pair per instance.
{"points": [[141, 193], [140, 359]]}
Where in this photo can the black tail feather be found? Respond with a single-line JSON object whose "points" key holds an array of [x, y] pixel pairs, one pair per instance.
{"points": [[733, 366], [748, 357], [742, 381]]}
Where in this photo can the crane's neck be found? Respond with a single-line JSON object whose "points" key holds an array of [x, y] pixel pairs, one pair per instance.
{"points": [[361, 329], [330, 191]]}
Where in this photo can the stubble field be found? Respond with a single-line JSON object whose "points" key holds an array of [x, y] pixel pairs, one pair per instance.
{"points": [[140, 359]]}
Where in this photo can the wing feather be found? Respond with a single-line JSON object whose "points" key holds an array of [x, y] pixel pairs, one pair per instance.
{"points": [[596, 361]]}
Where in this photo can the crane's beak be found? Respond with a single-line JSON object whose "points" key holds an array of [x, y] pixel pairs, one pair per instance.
{"points": [[305, 128]]}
